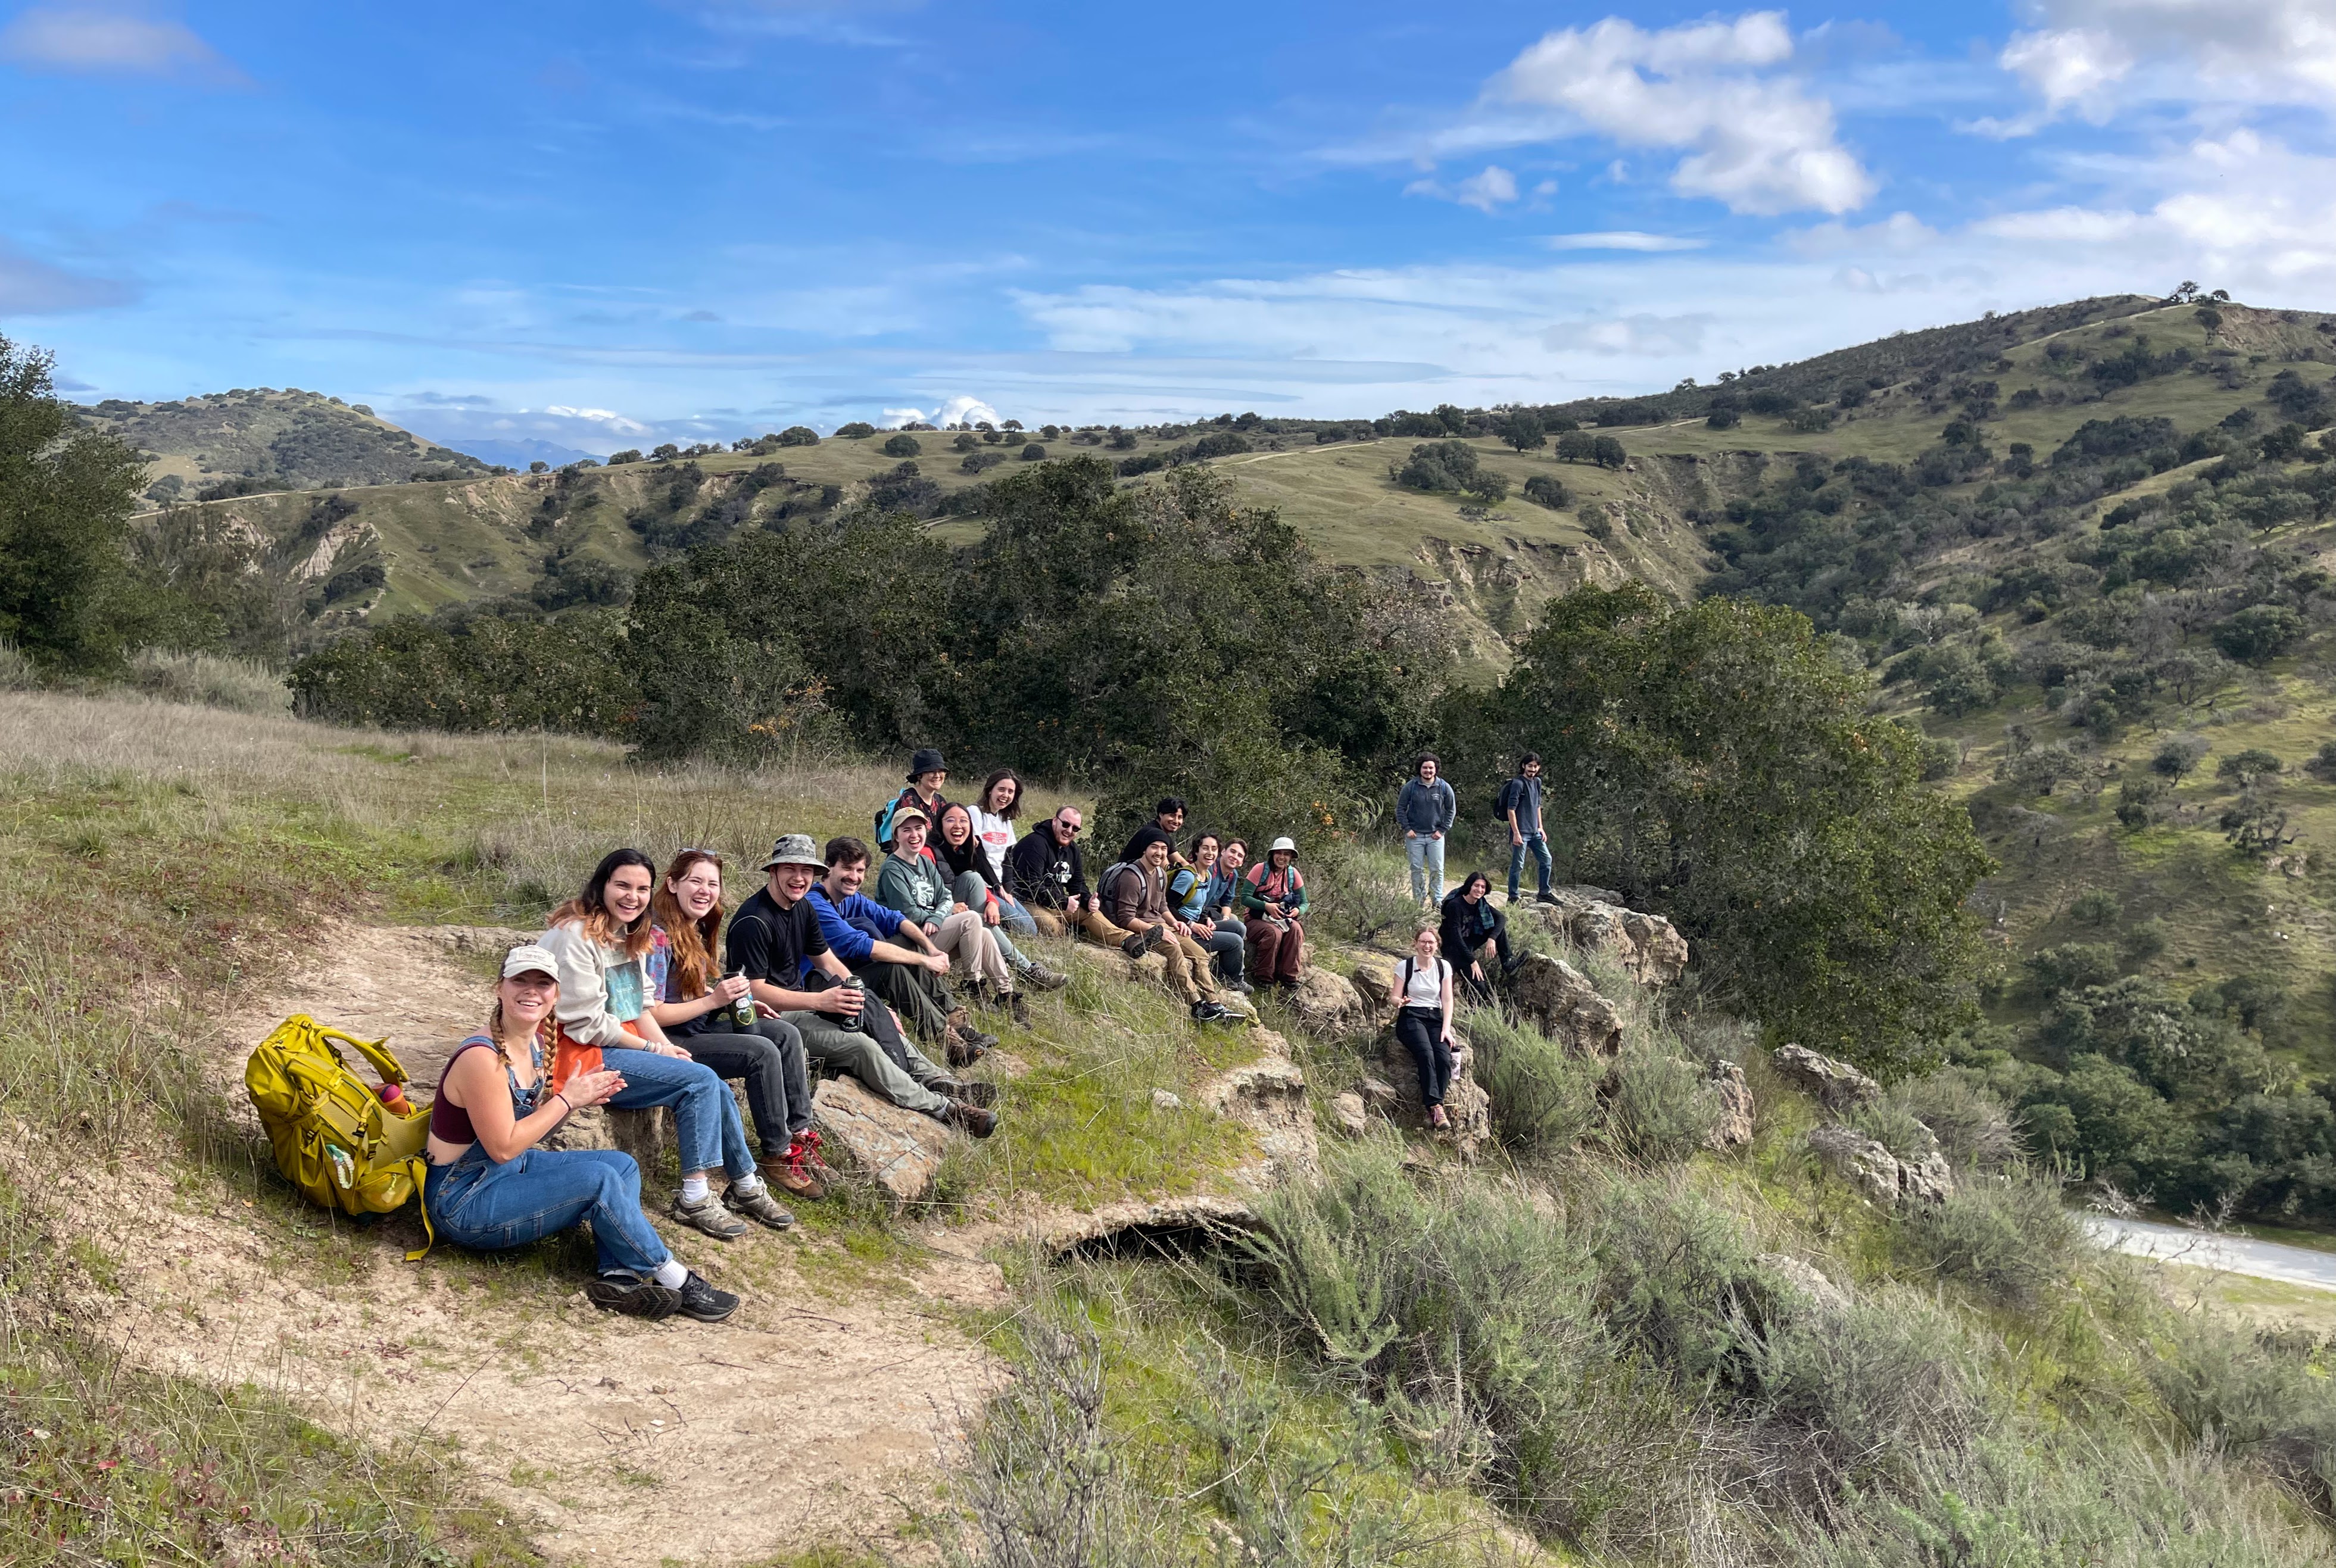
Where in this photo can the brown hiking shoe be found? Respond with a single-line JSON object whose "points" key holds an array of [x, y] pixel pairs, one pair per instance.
{"points": [[1019, 1007], [1038, 977], [793, 1179], [962, 1051], [972, 1090], [981, 1123]]}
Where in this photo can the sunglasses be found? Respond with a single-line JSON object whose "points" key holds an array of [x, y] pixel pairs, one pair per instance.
{"points": [[1070, 827]]}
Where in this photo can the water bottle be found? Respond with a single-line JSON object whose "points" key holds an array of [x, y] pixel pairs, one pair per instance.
{"points": [[857, 1019], [742, 1012]]}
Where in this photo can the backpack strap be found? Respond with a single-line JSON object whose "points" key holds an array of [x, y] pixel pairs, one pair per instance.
{"points": [[418, 1170]]}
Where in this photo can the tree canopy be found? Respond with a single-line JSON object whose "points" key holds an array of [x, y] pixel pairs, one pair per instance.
{"points": [[65, 498]]}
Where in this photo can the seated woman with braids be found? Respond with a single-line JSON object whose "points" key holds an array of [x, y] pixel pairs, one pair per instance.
{"points": [[490, 1188]]}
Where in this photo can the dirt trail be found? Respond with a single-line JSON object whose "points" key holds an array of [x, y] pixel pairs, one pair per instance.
{"points": [[800, 1421]]}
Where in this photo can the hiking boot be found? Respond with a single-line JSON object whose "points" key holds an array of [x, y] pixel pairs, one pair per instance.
{"points": [[1544, 898], [623, 1291], [701, 1301], [759, 1206], [1038, 977], [972, 1117], [972, 1090], [1019, 1007], [791, 1179], [1237, 983], [1141, 942], [963, 1051], [707, 1214]]}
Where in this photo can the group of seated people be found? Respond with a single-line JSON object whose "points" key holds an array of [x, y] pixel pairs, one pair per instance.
{"points": [[622, 1002]]}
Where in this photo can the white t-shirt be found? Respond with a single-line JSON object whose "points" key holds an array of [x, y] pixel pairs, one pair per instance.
{"points": [[995, 834], [1424, 988]]}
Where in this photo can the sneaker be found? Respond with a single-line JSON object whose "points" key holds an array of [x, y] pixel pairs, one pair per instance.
{"points": [[1243, 986], [805, 1147], [1038, 977], [1019, 1007], [1211, 1012], [623, 1291], [707, 1214], [758, 1206], [972, 1117], [972, 1090], [1546, 898], [791, 1179], [1141, 942], [701, 1301], [1435, 1116]]}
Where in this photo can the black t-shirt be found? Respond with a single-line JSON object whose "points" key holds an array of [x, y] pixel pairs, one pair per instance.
{"points": [[768, 943]]}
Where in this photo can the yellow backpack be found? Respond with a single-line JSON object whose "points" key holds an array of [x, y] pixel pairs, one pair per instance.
{"points": [[335, 1139]]}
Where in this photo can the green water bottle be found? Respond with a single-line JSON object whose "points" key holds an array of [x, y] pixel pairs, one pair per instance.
{"points": [[742, 1012]]}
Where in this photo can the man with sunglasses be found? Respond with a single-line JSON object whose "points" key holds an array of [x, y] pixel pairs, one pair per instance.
{"points": [[1048, 875]]}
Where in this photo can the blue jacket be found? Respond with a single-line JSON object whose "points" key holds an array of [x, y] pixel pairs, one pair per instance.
{"points": [[852, 932], [1425, 808]]}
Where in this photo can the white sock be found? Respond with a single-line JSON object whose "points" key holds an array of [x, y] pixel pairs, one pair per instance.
{"points": [[694, 1189], [671, 1274], [747, 1185]]}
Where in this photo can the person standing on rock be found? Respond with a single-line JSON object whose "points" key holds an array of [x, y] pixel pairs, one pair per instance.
{"points": [[694, 1005], [1139, 905], [1519, 805], [1472, 923], [1425, 810], [598, 939], [1274, 898], [1422, 1021], [774, 941], [491, 1186]]}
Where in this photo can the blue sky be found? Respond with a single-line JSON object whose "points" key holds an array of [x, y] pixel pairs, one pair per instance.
{"points": [[601, 224]]}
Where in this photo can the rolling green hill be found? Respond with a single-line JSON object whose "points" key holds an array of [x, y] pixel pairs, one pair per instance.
{"points": [[271, 440]]}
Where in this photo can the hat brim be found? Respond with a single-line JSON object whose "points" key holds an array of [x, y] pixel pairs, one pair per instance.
{"points": [[776, 861]]}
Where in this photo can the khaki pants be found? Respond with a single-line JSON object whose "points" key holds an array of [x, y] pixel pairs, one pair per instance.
{"points": [[1090, 923], [966, 939], [1188, 970]]}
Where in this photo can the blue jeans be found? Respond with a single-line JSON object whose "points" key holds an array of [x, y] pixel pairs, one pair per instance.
{"points": [[480, 1204], [706, 1118], [1426, 857], [1539, 844], [1014, 917]]}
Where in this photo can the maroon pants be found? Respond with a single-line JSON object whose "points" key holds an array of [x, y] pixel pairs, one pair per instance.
{"points": [[1275, 955]]}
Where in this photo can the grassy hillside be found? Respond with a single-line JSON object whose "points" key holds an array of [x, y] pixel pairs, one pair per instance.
{"points": [[272, 441], [1603, 1341]]}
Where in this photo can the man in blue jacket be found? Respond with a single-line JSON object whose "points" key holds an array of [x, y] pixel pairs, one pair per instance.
{"points": [[891, 954], [1425, 811]]}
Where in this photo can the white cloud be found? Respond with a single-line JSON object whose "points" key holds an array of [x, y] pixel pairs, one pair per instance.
{"points": [[1642, 335], [964, 410], [1755, 140], [2092, 55], [606, 418], [1484, 191], [1621, 239], [1899, 232], [108, 40]]}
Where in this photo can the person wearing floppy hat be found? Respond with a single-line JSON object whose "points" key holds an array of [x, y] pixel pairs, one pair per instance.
{"points": [[491, 1186], [1273, 895], [927, 774]]}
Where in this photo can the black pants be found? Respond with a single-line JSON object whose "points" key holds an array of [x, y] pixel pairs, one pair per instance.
{"points": [[1497, 942], [778, 1077], [920, 996], [875, 1016], [1422, 1034]]}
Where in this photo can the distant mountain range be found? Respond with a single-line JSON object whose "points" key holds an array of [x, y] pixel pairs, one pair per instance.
{"points": [[518, 454]]}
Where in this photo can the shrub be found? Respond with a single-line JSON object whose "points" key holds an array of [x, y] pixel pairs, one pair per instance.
{"points": [[903, 446], [1544, 1101], [1724, 419], [1546, 489], [2098, 907], [2252, 763], [2322, 765], [798, 436], [243, 685], [2007, 1237], [1662, 1106], [1034, 453], [630, 455], [2142, 941], [2071, 966], [2259, 634], [1971, 1122], [2258, 1396], [2178, 756]]}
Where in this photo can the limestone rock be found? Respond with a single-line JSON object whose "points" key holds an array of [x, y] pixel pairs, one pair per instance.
{"points": [[1734, 1128], [1162, 1099], [1560, 1000], [900, 1149], [1327, 1003], [1374, 980], [1830, 1081], [1180, 1220], [1269, 1042], [1268, 1097], [1595, 920], [1378, 1092], [645, 1135], [1860, 1161], [1352, 1118], [1465, 1104], [1802, 1280], [1928, 1180], [587, 1128]]}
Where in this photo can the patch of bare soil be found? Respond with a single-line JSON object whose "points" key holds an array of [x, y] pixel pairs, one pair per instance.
{"points": [[804, 1419]]}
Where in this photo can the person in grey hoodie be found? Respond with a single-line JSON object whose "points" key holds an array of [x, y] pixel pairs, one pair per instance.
{"points": [[1425, 811]]}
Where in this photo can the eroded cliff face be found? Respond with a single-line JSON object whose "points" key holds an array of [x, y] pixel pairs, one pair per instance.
{"points": [[1495, 594]]}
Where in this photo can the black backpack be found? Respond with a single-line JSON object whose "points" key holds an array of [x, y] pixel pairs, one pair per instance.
{"points": [[1506, 801]]}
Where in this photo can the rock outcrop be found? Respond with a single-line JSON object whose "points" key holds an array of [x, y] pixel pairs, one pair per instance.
{"points": [[1327, 1003], [899, 1149], [1595, 920], [1561, 1002], [1734, 1128], [1268, 1096], [1170, 1223], [1830, 1081], [1374, 980], [1811, 1291], [1879, 1176]]}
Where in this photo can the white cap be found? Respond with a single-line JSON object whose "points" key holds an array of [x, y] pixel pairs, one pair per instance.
{"points": [[530, 958], [1284, 842]]}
